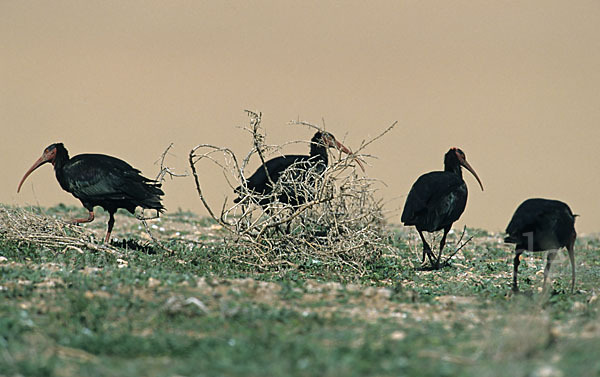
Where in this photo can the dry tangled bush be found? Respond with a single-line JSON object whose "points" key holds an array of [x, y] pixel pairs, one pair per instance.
{"points": [[313, 214]]}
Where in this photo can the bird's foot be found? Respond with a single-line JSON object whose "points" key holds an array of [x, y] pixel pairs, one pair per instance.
{"points": [[82, 220]]}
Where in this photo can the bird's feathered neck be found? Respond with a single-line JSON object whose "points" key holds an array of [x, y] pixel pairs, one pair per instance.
{"points": [[62, 157], [317, 149], [451, 164]]}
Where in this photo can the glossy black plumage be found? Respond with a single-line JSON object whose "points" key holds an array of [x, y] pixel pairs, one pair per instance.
{"points": [[437, 199], [539, 225], [100, 180], [259, 183]]}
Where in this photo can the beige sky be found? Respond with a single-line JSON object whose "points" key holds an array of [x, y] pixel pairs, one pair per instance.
{"points": [[516, 85]]}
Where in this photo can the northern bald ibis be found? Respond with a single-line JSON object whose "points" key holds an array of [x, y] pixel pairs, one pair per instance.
{"points": [[100, 180], [318, 159], [539, 225], [437, 199]]}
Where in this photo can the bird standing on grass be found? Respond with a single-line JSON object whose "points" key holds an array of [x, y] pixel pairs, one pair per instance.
{"points": [[100, 180], [437, 199], [539, 225]]}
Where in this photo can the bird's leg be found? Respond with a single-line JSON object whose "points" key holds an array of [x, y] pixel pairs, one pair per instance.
{"points": [[442, 244], [549, 259], [111, 222], [572, 259], [426, 249], [90, 218], [272, 215], [517, 260]]}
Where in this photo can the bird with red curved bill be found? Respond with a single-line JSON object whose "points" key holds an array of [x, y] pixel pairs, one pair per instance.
{"points": [[540, 225], [267, 175], [100, 180], [437, 199]]}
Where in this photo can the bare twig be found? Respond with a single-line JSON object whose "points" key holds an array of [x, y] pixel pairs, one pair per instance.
{"points": [[258, 139], [154, 239], [164, 170], [303, 123], [365, 144], [459, 247]]}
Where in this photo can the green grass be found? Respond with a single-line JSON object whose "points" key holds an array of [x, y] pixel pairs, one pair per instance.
{"points": [[66, 313]]}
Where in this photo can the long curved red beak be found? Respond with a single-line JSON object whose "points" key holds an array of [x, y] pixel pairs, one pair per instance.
{"points": [[347, 150], [469, 168], [46, 157]]}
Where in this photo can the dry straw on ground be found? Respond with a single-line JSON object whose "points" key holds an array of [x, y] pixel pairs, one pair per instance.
{"points": [[24, 226], [339, 223]]}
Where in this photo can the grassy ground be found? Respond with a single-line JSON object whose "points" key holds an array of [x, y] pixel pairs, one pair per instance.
{"points": [[65, 312]]}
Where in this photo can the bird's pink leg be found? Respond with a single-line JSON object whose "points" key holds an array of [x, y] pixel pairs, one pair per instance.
{"points": [[90, 218], [111, 222]]}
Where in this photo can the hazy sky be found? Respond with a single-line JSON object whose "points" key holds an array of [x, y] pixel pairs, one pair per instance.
{"points": [[515, 84]]}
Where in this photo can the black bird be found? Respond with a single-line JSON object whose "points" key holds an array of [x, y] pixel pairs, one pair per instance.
{"points": [[437, 199], [100, 180], [260, 184], [542, 224]]}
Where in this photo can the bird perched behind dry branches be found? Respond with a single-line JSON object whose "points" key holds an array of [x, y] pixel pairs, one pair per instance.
{"points": [[267, 175]]}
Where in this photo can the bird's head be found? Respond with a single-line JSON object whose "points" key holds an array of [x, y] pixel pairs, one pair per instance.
{"points": [[328, 140], [49, 155], [456, 157]]}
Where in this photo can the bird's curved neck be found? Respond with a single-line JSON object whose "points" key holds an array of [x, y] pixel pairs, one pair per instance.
{"points": [[453, 168], [61, 159], [319, 151]]}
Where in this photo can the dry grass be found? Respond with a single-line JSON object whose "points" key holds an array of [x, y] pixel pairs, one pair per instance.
{"points": [[23, 226]]}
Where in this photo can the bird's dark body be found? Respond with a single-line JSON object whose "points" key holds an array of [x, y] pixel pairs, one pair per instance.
{"points": [[108, 182], [541, 224], [435, 201], [259, 183]]}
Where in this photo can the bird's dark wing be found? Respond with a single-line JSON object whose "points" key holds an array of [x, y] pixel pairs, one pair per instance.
{"points": [[436, 199], [540, 214], [259, 182], [96, 179]]}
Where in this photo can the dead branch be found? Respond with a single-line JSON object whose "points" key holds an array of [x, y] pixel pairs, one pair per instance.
{"points": [[164, 170], [303, 123], [160, 177], [460, 246], [365, 144]]}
